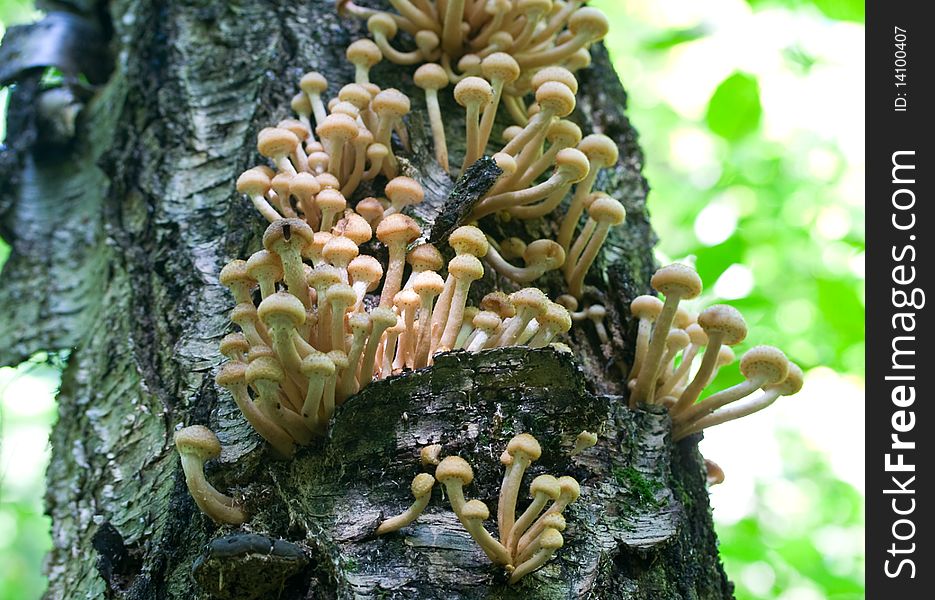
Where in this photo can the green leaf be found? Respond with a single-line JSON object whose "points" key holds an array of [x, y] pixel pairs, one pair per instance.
{"points": [[734, 110], [675, 37], [842, 10]]}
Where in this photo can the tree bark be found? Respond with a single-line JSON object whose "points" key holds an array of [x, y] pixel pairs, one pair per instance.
{"points": [[119, 229]]}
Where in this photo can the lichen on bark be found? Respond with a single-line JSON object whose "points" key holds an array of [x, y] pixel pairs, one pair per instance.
{"points": [[117, 239]]}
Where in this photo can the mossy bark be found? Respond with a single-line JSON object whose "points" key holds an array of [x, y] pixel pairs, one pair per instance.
{"points": [[119, 229]]}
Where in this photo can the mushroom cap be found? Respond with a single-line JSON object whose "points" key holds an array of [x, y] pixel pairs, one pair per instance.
{"points": [[605, 209], [355, 228], [555, 317], [281, 183], [235, 272], [555, 73], [556, 98], [382, 23], [264, 368], [725, 320], [304, 185], [339, 358], [356, 94], [313, 83], [683, 318], [359, 323], [230, 374], [550, 539], [324, 275], [500, 65], [793, 382], [725, 356], [468, 239], [382, 318], [580, 59], [377, 151], [253, 182], [570, 488], [678, 280], [473, 90], [766, 362], [261, 351], [341, 294], [646, 307], [338, 126], [499, 303], [454, 468], [428, 283], [331, 200], [466, 267], [573, 164], [505, 163], [370, 208], [425, 257], [289, 231], [475, 510], [234, 342], [407, 299], [508, 134], [589, 22], [526, 445], [318, 242], [431, 76], [512, 247], [318, 364], [404, 191], [677, 339], [243, 312], [281, 308], [198, 440], [274, 142], [301, 105], [486, 320], [697, 334], [554, 521], [470, 64], [339, 251], [600, 149], [568, 301], [364, 52], [328, 181], [422, 485], [297, 127], [529, 298], [564, 133], [714, 474], [318, 160], [365, 268], [596, 312], [547, 485], [398, 229], [390, 103], [347, 109]]}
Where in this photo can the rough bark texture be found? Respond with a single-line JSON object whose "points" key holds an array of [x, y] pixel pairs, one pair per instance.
{"points": [[118, 233]]}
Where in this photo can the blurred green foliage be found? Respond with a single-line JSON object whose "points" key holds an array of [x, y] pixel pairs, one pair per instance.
{"points": [[772, 217]]}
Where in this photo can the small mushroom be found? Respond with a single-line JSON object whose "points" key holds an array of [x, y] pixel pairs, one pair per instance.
{"points": [[422, 492], [196, 445]]}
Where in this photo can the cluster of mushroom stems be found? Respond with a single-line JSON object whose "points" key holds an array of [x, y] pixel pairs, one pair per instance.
{"points": [[524, 543], [679, 354]]}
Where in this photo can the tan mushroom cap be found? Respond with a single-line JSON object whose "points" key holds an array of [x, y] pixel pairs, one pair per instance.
{"points": [[500, 65], [340, 250], [564, 132], [499, 303], [524, 444], [793, 382], [356, 94], [725, 356], [646, 307], [466, 266], [282, 305], [317, 364], [605, 209], [555, 73], [422, 485], [253, 182], [406, 299], [288, 230], [297, 127], [233, 343], [573, 163], [486, 320], [264, 368], [683, 318], [364, 52], [505, 162], [697, 334], [475, 510], [531, 298], [313, 83], [301, 105], [765, 362], [261, 351], [397, 229], [318, 242], [678, 339], [473, 90], [231, 374], [340, 293], [304, 185], [328, 181], [551, 539], [199, 441], [425, 257], [677, 279], [391, 102], [547, 485], [273, 142], [570, 487], [338, 126], [428, 282], [370, 208], [590, 22], [365, 268], [339, 358], [359, 322], [244, 311], [596, 312], [382, 23], [331, 199], [547, 253], [454, 468], [355, 228], [600, 149], [235, 272], [404, 190], [468, 239], [724, 319], [555, 316], [431, 76], [556, 97]]}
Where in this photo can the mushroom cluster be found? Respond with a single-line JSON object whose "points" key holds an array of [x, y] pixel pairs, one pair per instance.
{"points": [[525, 542], [679, 354]]}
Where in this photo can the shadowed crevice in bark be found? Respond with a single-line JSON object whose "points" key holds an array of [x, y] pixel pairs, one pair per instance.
{"points": [[117, 241]]}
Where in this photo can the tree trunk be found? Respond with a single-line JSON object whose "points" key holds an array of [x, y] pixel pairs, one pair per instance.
{"points": [[119, 228]]}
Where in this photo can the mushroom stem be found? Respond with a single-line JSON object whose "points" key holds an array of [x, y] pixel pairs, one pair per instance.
{"points": [[422, 492], [197, 444]]}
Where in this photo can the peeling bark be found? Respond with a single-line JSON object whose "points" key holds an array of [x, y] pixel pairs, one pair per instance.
{"points": [[118, 234]]}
